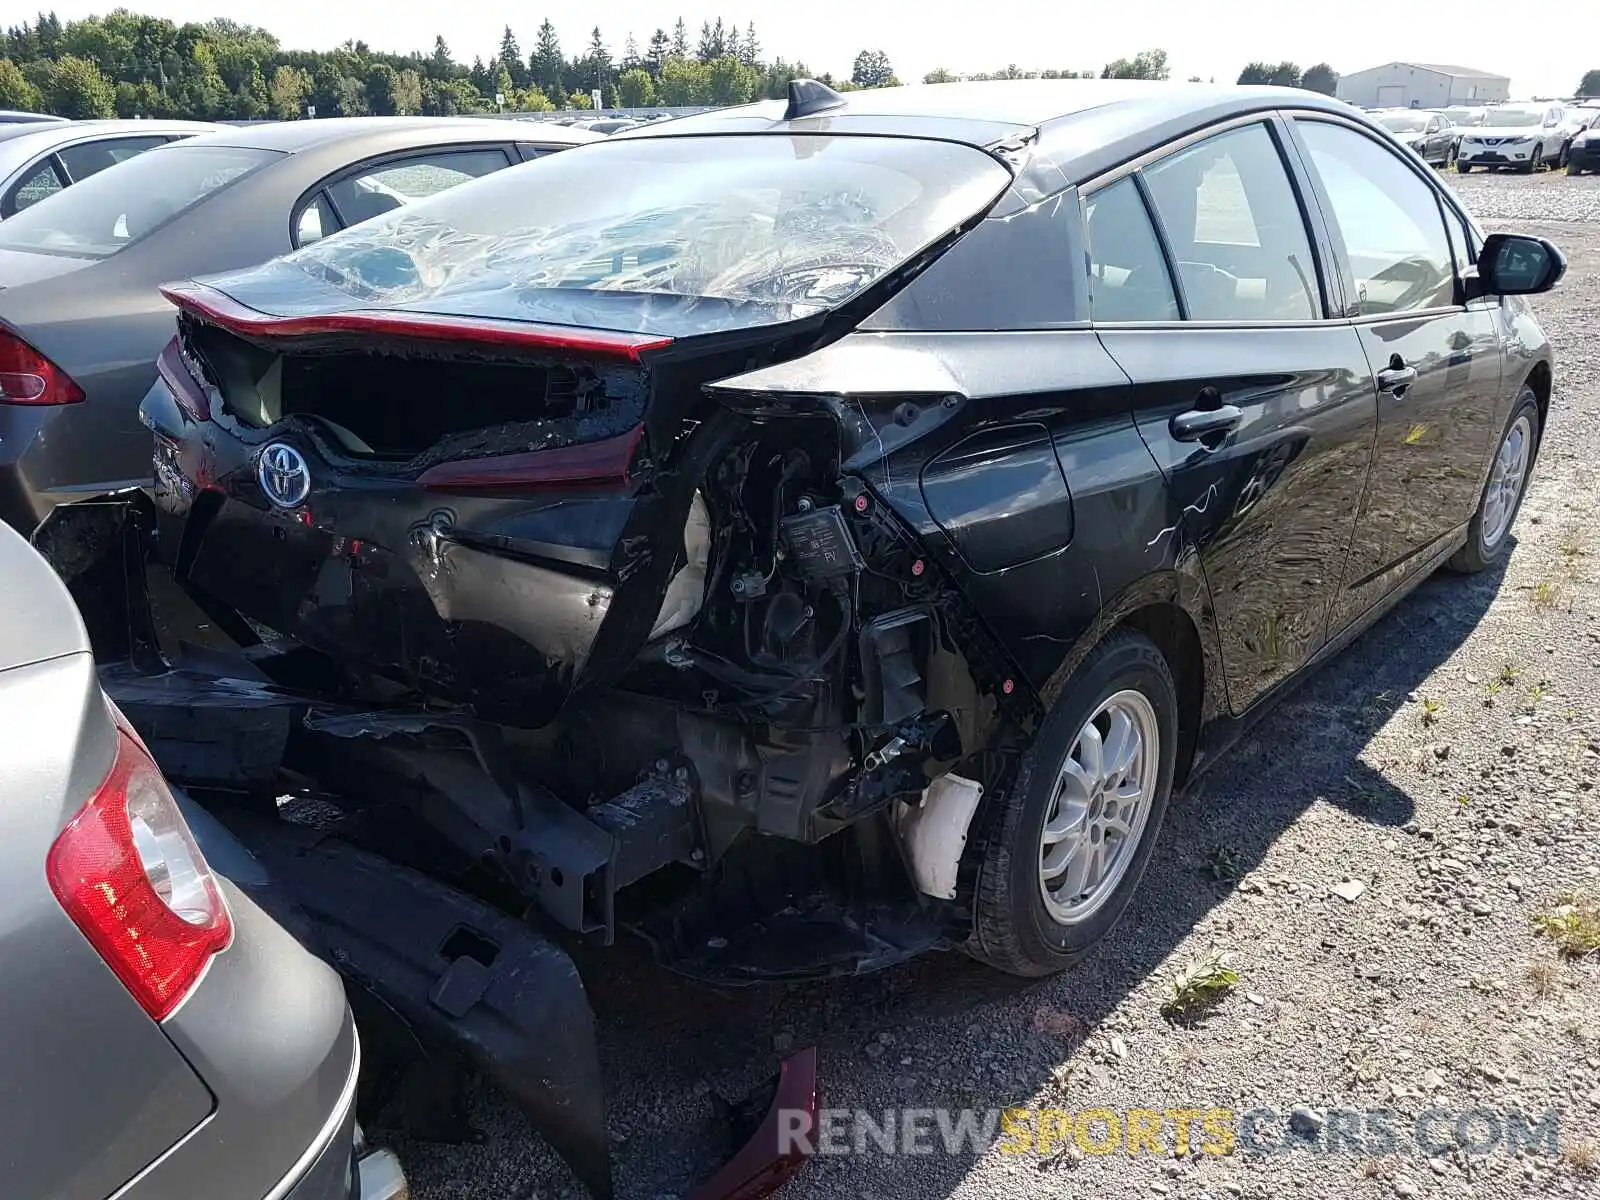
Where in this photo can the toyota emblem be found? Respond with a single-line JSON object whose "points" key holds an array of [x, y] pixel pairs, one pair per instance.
{"points": [[284, 477]]}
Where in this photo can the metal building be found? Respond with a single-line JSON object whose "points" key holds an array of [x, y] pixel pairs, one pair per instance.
{"points": [[1422, 85]]}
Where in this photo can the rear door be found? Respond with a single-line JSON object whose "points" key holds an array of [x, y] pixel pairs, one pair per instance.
{"points": [[1258, 405], [1435, 360]]}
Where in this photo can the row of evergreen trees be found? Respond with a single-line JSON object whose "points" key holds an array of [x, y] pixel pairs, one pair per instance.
{"points": [[128, 64]]}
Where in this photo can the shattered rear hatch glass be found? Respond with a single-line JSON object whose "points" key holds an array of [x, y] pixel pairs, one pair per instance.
{"points": [[677, 236]]}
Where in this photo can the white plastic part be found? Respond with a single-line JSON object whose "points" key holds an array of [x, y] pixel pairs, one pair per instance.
{"points": [[681, 604], [935, 833]]}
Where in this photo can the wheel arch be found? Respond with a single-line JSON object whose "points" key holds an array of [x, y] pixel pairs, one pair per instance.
{"points": [[1542, 380], [1172, 609]]}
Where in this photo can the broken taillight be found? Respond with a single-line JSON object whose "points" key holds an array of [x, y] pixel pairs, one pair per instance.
{"points": [[224, 311], [28, 377], [181, 382], [591, 464]]}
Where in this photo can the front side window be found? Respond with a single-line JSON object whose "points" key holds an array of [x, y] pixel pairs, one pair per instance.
{"points": [[396, 184], [114, 209], [1388, 218], [1128, 277], [1234, 224]]}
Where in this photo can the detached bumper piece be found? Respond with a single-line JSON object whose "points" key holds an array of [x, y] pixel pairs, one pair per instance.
{"points": [[464, 978]]}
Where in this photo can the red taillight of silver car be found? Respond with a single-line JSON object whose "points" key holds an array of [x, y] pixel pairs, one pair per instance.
{"points": [[28, 377], [129, 874]]}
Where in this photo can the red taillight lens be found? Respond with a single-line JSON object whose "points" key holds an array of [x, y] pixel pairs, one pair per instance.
{"points": [[129, 874], [181, 382], [28, 377], [592, 464]]}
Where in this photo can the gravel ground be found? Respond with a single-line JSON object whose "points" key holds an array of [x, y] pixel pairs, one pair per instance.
{"points": [[1446, 762]]}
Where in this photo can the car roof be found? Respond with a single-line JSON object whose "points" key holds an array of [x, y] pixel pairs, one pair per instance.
{"points": [[16, 116], [1092, 121], [54, 132], [292, 137]]}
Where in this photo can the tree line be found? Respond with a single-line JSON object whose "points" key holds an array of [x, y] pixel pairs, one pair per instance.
{"points": [[127, 64]]}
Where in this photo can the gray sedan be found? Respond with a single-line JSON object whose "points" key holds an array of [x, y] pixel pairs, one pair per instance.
{"points": [[37, 160], [81, 320], [165, 1039]]}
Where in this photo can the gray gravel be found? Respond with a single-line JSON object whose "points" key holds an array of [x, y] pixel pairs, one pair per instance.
{"points": [[1447, 762]]}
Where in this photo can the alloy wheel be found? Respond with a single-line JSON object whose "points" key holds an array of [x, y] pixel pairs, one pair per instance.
{"points": [[1506, 480], [1102, 801]]}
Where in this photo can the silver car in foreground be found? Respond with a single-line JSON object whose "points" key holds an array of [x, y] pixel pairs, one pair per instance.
{"points": [[164, 1039]]}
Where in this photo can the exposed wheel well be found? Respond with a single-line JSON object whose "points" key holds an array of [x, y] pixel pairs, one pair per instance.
{"points": [[1540, 381], [1174, 633]]}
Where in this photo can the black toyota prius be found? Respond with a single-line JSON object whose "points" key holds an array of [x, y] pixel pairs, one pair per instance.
{"points": [[841, 523]]}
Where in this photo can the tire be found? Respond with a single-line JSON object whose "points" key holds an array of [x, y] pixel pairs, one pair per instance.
{"points": [[1015, 929], [1481, 552], [1574, 169], [1463, 168], [1535, 162]]}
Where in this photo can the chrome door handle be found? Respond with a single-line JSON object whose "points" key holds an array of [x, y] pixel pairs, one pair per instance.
{"points": [[1396, 379], [1199, 423]]}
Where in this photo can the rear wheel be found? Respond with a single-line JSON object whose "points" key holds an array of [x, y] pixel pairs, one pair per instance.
{"points": [[1502, 495], [1070, 841]]}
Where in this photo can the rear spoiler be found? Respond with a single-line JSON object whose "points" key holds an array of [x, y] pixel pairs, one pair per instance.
{"points": [[220, 309]]}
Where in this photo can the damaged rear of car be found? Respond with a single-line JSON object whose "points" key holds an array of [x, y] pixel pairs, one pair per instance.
{"points": [[490, 466], [549, 533], [556, 609]]}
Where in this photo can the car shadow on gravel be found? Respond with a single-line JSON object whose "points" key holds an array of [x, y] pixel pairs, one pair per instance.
{"points": [[945, 1031]]}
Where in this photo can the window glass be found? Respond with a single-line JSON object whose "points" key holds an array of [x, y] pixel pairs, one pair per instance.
{"points": [[673, 235], [1236, 231], [106, 212], [1128, 276], [90, 158], [397, 184], [42, 182], [316, 222], [1389, 219]]}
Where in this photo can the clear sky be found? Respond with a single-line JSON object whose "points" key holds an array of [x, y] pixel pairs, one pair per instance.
{"points": [[1545, 46]]}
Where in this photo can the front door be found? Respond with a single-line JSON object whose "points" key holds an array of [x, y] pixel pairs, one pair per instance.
{"points": [[1435, 361], [1259, 410]]}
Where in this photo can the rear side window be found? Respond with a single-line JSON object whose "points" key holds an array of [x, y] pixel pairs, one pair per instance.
{"points": [[1236, 231], [399, 183], [41, 183], [1388, 218], [114, 209], [1128, 277], [90, 158]]}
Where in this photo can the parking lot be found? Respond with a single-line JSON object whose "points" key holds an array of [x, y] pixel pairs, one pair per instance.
{"points": [[1447, 762]]}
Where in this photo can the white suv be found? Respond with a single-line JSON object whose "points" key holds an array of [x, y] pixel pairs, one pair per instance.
{"points": [[1524, 136]]}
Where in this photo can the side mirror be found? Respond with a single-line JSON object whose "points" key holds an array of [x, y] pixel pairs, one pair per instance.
{"points": [[1514, 264]]}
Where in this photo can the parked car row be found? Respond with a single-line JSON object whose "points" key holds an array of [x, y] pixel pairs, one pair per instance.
{"points": [[80, 311], [723, 532], [1521, 137]]}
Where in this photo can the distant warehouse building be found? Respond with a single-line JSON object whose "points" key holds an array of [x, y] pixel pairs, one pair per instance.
{"points": [[1421, 85]]}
